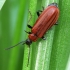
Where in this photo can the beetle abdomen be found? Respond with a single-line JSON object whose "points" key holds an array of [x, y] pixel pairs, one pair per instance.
{"points": [[46, 20]]}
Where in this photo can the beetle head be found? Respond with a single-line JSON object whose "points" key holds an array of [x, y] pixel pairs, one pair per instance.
{"points": [[28, 42]]}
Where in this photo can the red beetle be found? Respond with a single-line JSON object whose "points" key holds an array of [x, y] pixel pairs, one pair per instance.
{"points": [[45, 21]]}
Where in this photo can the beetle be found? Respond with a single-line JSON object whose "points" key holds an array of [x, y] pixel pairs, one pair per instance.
{"points": [[45, 21]]}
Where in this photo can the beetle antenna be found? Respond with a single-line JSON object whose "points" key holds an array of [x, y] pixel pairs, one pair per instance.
{"points": [[28, 56], [16, 45]]}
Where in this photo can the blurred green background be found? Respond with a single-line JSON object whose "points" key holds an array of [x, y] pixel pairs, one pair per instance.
{"points": [[51, 54], [13, 21]]}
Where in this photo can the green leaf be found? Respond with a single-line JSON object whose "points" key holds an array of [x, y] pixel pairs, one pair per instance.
{"points": [[2, 3], [15, 60], [61, 42], [32, 9], [49, 54]]}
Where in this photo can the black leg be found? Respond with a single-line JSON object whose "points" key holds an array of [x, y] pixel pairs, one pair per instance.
{"points": [[28, 56], [43, 7], [38, 12], [56, 23], [43, 38], [29, 26], [30, 16], [27, 32], [29, 20]]}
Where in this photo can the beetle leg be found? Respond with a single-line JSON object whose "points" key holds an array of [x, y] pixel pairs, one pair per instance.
{"points": [[27, 32], [28, 56], [29, 26], [56, 23], [30, 16], [43, 38], [38, 13], [29, 20], [43, 7]]}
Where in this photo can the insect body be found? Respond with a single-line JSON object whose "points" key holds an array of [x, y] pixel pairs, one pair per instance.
{"points": [[45, 21]]}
